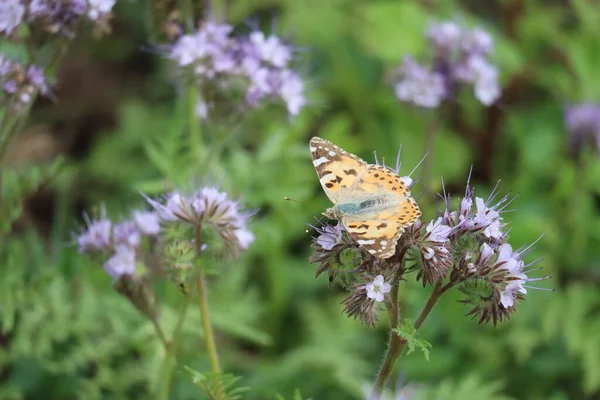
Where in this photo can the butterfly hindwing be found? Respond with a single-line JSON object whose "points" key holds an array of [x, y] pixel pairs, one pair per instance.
{"points": [[378, 237], [337, 169]]}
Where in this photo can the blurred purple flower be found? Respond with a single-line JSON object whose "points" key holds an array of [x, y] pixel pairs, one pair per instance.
{"points": [[20, 83], [11, 15], [583, 125], [127, 234], [256, 65], [459, 59], [211, 207], [96, 236], [420, 86], [121, 263], [147, 222], [330, 236], [98, 8]]}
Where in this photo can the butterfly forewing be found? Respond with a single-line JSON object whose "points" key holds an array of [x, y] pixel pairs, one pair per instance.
{"points": [[337, 169]]}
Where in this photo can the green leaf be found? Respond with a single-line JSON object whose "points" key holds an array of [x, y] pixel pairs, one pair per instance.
{"points": [[408, 332]]}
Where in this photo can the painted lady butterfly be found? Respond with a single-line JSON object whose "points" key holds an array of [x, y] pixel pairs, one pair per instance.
{"points": [[372, 201]]}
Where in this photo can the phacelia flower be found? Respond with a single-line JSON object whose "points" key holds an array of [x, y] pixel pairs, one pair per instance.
{"points": [[11, 15], [126, 234], [208, 207], [147, 222], [420, 86], [20, 83], [460, 58], [330, 236], [121, 263], [583, 125], [377, 289], [98, 8], [96, 237], [251, 69]]}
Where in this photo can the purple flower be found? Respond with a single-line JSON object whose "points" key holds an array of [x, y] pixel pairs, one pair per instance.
{"points": [[126, 234], [459, 59], [270, 49], [121, 263], [96, 237], [20, 83], [420, 86], [256, 65], [11, 15], [437, 231], [208, 206], [583, 124], [330, 236], [147, 222]]}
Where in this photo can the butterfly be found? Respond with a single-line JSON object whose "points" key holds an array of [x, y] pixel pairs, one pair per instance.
{"points": [[371, 201]]}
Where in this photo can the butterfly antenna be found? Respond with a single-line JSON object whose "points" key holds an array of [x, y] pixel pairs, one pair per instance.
{"points": [[375, 155], [425, 189]]}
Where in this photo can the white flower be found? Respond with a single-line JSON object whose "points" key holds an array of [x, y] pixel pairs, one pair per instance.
{"points": [[378, 288], [121, 263], [507, 297], [330, 236], [11, 15], [486, 252], [487, 219], [506, 256], [438, 232]]}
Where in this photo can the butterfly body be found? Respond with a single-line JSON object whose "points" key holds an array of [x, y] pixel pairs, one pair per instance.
{"points": [[371, 201]]}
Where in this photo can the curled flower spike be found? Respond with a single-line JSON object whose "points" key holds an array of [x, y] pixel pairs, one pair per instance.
{"points": [[207, 207], [460, 58]]}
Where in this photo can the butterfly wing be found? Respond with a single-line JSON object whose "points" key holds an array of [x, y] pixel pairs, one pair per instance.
{"points": [[338, 170], [380, 232]]}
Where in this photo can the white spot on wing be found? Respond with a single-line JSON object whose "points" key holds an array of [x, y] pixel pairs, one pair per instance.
{"points": [[383, 242], [363, 242], [332, 153], [313, 149], [320, 161]]}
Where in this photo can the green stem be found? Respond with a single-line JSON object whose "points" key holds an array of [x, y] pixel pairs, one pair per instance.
{"points": [[209, 337], [160, 333], [194, 123], [167, 372], [206, 325], [396, 343]]}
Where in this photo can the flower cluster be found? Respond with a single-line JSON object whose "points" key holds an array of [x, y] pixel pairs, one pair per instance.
{"points": [[208, 207], [466, 247], [583, 124], [52, 16], [20, 83], [122, 239], [460, 57], [223, 65]]}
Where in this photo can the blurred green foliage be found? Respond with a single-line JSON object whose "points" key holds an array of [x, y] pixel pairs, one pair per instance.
{"points": [[65, 333]]}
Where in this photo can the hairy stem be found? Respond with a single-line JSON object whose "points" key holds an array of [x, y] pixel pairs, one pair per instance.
{"points": [[396, 343], [172, 347]]}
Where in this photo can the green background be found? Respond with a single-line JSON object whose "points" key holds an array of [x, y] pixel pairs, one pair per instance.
{"points": [[121, 125]]}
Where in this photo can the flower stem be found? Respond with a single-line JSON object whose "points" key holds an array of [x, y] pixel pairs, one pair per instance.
{"points": [[396, 343], [171, 347], [160, 333], [206, 325]]}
